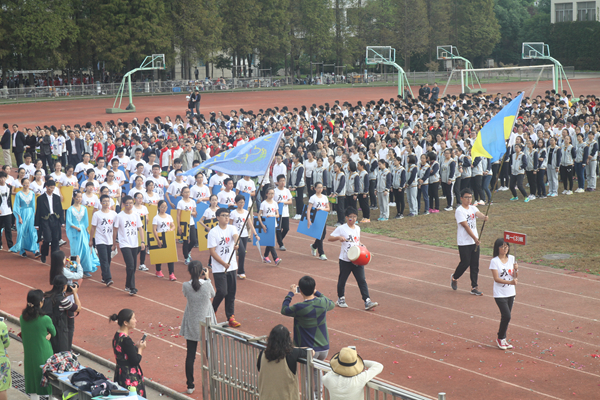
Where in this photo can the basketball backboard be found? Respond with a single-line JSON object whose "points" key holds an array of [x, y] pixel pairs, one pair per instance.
{"points": [[447, 52], [158, 61], [533, 50], [380, 55]]}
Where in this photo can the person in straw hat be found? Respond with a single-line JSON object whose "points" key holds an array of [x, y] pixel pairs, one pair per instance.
{"points": [[348, 376]]}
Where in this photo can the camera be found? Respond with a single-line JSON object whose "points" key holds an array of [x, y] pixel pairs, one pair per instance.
{"points": [[71, 286], [298, 289]]}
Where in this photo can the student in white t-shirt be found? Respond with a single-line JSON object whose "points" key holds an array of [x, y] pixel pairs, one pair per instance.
{"points": [[163, 222], [102, 234], [150, 196], [100, 170], [175, 188], [114, 190], [210, 213], [91, 178], [349, 235], [160, 183], [217, 180], [137, 187], [84, 165], [118, 175], [129, 226], [246, 185], [269, 209], [505, 271], [89, 198], [142, 211], [237, 218], [222, 244], [467, 239], [187, 204], [68, 179], [284, 196], [200, 191], [317, 201], [227, 195]]}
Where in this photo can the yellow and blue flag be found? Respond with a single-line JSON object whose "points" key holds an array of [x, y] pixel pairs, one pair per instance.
{"points": [[250, 159], [491, 139]]}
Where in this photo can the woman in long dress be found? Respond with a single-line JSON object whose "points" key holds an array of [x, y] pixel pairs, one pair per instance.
{"points": [[79, 238], [24, 210]]}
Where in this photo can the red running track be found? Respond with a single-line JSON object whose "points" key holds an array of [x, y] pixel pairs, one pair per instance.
{"points": [[81, 111], [429, 338]]}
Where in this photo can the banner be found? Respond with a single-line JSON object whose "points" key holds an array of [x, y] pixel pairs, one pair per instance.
{"points": [[203, 235], [267, 238], [90, 212], [280, 205], [200, 208], [216, 189], [14, 193], [174, 200], [247, 200], [165, 254], [185, 224], [250, 159], [67, 193], [318, 219], [152, 211]]}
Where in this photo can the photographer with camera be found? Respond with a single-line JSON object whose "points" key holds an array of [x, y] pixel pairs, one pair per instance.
{"points": [[198, 291], [58, 306], [71, 269], [310, 319]]}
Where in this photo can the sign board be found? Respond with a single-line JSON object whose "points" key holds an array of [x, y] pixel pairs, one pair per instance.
{"points": [[203, 234], [165, 254], [267, 238], [318, 219], [515, 238]]}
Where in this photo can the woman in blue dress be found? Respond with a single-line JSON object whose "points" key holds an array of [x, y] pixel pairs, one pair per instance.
{"points": [[77, 231], [24, 210]]}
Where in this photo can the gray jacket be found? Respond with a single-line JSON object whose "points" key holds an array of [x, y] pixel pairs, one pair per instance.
{"points": [[197, 309]]}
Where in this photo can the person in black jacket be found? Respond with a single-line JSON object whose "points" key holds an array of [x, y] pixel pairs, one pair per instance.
{"points": [[75, 149], [5, 142], [18, 144], [46, 150], [48, 219], [31, 142]]}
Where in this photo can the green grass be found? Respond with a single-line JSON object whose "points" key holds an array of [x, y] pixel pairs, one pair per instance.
{"points": [[563, 225]]}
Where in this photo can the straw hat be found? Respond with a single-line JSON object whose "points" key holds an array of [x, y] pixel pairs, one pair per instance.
{"points": [[347, 362]]}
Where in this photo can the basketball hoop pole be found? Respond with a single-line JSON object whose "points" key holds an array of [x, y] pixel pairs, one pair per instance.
{"points": [[147, 64], [380, 59], [541, 51]]}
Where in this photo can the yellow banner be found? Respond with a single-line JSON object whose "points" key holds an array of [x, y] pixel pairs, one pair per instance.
{"points": [[15, 191], [90, 210], [67, 193], [185, 223], [203, 235], [152, 211], [165, 254]]}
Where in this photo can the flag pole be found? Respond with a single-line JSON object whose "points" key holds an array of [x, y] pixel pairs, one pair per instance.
{"points": [[252, 199], [499, 172]]}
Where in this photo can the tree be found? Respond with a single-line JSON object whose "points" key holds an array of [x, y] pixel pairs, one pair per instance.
{"points": [[35, 31], [272, 27], [413, 32], [222, 62], [196, 30], [314, 28], [438, 17], [512, 16], [239, 30], [475, 29], [123, 32]]}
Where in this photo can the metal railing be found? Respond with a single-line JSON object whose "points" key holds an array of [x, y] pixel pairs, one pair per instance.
{"points": [[229, 370]]}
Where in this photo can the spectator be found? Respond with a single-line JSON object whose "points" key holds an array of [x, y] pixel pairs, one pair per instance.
{"points": [[58, 305], [310, 317], [73, 271], [37, 330], [128, 355], [278, 380], [348, 376], [198, 292]]}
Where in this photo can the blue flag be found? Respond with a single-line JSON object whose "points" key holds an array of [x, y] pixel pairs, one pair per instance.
{"points": [[250, 159], [491, 140]]}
